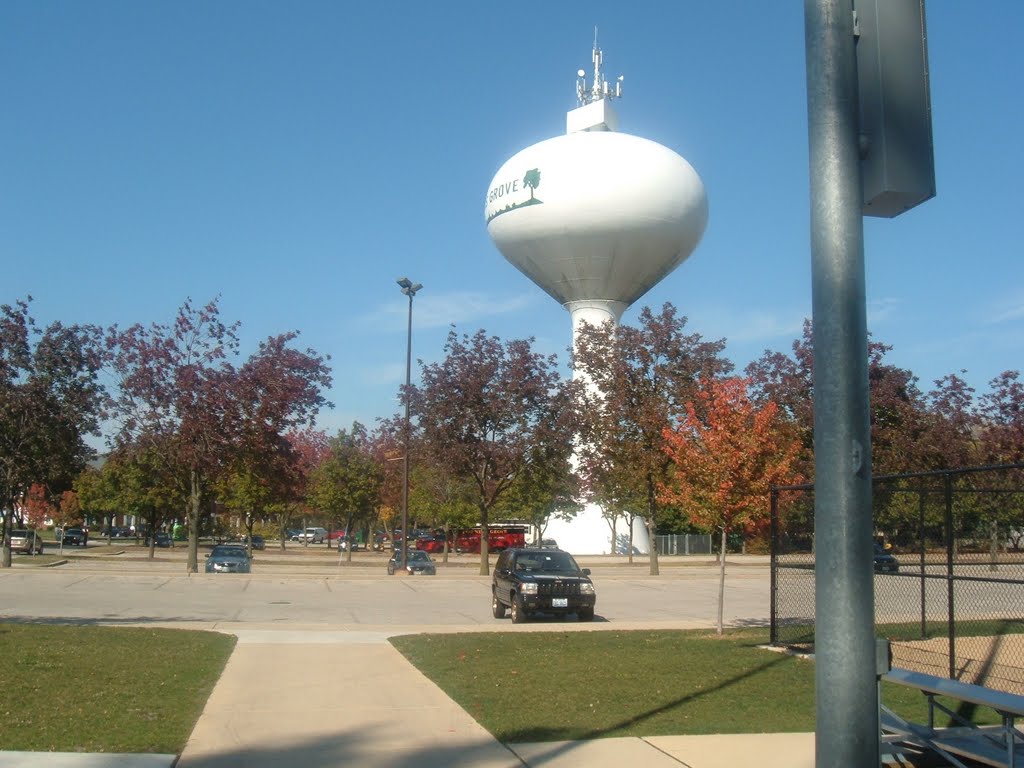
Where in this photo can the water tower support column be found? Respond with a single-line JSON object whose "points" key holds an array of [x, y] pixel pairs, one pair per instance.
{"points": [[589, 532]]}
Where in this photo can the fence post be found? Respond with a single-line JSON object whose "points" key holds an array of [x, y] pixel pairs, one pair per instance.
{"points": [[921, 495], [774, 532], [950, 599]]}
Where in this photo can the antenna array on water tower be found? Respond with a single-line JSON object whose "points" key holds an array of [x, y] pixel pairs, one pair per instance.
{"points": [[599, 88]]}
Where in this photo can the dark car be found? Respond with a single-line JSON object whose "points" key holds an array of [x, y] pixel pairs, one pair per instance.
{"points": [[27, 541], [541, 581], [161, 539], [884, 561], [228, 558], [258, 542], [76, 536], [417, 563]]}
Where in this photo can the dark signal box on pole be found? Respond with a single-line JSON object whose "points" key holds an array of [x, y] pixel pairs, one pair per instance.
{"points": [[897, 157]]}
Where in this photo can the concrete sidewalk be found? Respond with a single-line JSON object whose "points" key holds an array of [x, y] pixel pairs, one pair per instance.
{"points": [[285, 698]]}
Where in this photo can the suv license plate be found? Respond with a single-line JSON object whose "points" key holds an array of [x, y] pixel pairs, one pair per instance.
{"points": [[559, 602]]}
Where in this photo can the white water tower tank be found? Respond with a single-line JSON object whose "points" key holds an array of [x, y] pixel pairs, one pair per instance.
{"points": [[595, 218]]}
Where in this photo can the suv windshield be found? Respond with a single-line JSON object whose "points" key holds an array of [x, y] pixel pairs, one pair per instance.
{"points": [[546, 562]]}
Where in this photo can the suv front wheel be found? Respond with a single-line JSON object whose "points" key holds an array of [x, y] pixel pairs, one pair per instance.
{"points": [[497, 607], [518, 610]]}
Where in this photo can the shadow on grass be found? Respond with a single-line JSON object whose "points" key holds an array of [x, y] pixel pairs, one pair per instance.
{"points": [[541, 734]]}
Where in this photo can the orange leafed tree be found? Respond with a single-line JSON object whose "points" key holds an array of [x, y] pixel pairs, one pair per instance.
{"points": [[727, 454]]}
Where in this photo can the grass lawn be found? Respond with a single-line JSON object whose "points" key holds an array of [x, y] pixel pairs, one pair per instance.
{"points": [[550, 686], [105, 689]]}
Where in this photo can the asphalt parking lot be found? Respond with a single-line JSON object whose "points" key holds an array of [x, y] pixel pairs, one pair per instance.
{"points": [[315, 588]]}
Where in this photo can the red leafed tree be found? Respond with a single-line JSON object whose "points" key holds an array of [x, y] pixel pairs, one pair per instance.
{"points": [[1002, 413], [489, 413], [70, 508], [50, 398], [180, 395], [727, 453], [38, 508]]}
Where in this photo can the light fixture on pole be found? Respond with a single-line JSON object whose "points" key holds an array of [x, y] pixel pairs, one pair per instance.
{"points": [[409, 289]]}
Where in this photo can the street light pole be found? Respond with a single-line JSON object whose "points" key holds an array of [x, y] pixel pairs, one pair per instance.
{"points": [[409, 289]]}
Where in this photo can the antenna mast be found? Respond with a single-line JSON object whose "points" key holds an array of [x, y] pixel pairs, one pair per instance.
{"points": [[599, 88]]}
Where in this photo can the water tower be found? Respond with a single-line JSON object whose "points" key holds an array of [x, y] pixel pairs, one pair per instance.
{"points": [[595, 218]]}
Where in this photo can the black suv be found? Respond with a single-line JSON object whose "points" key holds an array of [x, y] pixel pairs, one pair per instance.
{"points": [[77, 536], [541, 581]]}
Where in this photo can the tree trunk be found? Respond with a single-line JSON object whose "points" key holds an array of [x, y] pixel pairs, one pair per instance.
{"points": [[194, 501], [250, 522], [5, 537], [629, 522], [485, 544], [721, 584], [651, 528]]}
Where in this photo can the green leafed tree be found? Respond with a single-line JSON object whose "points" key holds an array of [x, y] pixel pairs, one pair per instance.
{"points": [[441, 500], [346, 486]]}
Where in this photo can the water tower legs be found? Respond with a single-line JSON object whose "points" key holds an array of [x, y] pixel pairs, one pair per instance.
{"points": [[589, 533]]}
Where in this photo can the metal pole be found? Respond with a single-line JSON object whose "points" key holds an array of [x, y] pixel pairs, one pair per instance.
{"points": [[847, 712], [405, 461], [409, 289]]}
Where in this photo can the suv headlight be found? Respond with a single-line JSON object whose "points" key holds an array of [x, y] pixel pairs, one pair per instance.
{"points": [[587, 588], [528, 588]]}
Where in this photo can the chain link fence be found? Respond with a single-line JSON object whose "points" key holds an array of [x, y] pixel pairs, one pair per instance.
{"points": [[684, 544], [952, 604]]}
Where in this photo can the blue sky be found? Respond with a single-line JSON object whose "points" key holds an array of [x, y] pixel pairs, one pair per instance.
{"points": [[297, 158]]}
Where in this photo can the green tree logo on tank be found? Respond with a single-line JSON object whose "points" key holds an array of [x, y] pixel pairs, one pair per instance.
{"points": [[514, 191]]}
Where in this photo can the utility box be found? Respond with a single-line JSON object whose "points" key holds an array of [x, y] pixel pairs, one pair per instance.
{"points": [[897, 156]]}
